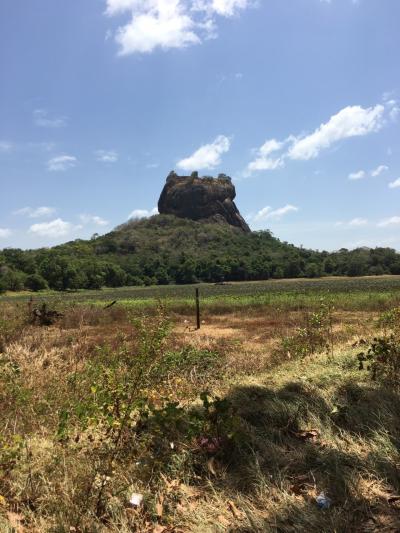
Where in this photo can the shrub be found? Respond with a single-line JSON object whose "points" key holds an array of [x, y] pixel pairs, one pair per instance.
{"points": [[35, 282], [315, 336], [12, 321], [383, 360]]}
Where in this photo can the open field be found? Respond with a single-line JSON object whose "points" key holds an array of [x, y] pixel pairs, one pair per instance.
{"points": [[236, 427], [364, 292]]}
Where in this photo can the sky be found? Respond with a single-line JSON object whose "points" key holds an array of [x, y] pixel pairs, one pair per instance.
{"points": [[297, 100]]}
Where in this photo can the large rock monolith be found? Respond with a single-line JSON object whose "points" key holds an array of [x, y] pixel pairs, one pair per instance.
{"points": [[199, 198]]}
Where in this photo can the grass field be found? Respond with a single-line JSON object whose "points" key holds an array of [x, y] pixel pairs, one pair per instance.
{"points": [[348, 292], [237, 427]]}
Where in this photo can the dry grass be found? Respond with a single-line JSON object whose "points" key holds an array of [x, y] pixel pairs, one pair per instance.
{"points": [[287, 430]]}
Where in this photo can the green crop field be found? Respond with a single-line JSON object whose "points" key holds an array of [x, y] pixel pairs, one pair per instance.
{"points": [[347, 293]]}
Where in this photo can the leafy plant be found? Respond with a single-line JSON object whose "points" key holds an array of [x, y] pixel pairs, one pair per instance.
{"points": [[383, 360], [315, 336], [382, 357]]}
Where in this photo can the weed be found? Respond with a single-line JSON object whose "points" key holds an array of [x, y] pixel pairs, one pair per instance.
{"points": [[315, 336], [383, 360], [13, 319], [106, 403], [382, 356]]}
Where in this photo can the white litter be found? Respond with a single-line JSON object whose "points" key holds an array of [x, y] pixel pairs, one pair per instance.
{"points": [[136, 499]]}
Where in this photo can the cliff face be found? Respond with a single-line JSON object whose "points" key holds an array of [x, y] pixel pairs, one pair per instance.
{"points": [[201, 198]]}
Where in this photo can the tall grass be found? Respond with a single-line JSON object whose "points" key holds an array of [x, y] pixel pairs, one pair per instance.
{"points": [[105, 403]]}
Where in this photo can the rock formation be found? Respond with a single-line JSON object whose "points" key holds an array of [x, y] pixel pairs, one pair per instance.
{"points": [[201, 198]]}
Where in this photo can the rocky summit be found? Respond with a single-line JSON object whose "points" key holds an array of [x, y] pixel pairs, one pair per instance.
{"points": [[199, 198]]}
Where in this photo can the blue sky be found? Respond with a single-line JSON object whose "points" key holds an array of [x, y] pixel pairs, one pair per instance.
{"points": [[297, 100]]}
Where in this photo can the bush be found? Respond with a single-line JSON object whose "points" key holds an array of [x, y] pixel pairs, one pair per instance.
{"points": [[315, 336], [383, 360], [11, 280], [35, 282]]}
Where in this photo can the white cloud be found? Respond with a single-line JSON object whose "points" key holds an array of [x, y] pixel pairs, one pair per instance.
{"points": [[357, 175], [61, 163], [5, 146], [224, 8], [378, 170], [355, 222], [55, 228], [37, 212], [263, 161], [143, 213], [154, 24], [361, 174], [355, 2], [392, 221], [394, 112], [107, 156], [41, 118], [352, 121], [152, 165], [93, 219], [392, 105], [268, 213], [4, 233], [168, 24], [394, 184], [207, 156]]}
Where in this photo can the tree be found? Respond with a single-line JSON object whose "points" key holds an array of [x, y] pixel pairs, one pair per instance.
{"points": [[35, 282], [94, 275], [329, 265], [293, 268], [356, 267], [11, 280], [312, 270], [278, 273], [114, 276], [60, 273]]}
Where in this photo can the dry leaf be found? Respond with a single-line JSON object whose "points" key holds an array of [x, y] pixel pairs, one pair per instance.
{"points": [[170, 485], [234, 510], [211, 466], [159, 505], [394, 501], [309, 434], [16, 521], [209, 444], [222, 520], [188, 491], [301, 485]]}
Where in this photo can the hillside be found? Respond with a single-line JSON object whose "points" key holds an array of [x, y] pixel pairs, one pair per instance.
{"points": [[166, 249], [200, 236]]}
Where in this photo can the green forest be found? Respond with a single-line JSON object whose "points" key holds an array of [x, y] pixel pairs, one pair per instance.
{"points": [[165, 250]]}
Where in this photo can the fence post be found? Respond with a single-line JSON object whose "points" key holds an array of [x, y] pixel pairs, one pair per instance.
{"points": [[198, 308], [30, 306]]}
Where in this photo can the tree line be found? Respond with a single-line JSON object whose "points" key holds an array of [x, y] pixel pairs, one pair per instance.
{"points": [[164, 250]]}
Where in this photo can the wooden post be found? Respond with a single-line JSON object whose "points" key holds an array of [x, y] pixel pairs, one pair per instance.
{"points": [[30, 306], [198, 308]]}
